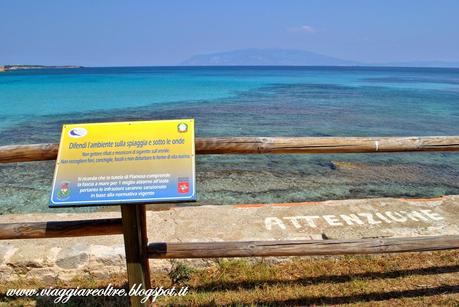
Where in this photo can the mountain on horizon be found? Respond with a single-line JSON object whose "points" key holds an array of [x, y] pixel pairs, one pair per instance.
{"points": [[291, 57], [265, 57]]}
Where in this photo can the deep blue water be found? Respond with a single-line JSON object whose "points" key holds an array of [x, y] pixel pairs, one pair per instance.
{"points": [[235, 101]]}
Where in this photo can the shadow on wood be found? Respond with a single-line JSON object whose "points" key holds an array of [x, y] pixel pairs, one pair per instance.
{"points": [[301, 247], [59, 229]]}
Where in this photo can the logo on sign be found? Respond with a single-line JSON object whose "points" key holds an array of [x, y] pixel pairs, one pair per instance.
{"points": [[64, 190], [182, 128], [183, 185], [78, 132]]}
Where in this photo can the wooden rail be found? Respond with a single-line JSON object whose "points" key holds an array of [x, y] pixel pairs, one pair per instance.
{"points": [[78, 228], [301, 247], [133, 224], [101, 227], [269, 145]]}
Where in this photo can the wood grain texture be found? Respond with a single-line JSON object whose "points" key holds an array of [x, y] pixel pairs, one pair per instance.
{"points": [[269, 145], [289, 145], [133, 219], [27, 153], [144, 239], [58, 229], [301, 247]]}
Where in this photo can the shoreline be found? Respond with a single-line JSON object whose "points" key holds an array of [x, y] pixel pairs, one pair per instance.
{"points": [[6, 68], [65, 258]]}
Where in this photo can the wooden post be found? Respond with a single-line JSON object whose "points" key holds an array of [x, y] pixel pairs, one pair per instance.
{"points": [[135, 244]]}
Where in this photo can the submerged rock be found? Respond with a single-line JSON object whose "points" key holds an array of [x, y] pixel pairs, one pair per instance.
{"points": [[346, 165]]}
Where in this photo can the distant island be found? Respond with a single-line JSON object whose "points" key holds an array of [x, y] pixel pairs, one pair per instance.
{"points": [[265, 57], [289, 57], [22, 67]]}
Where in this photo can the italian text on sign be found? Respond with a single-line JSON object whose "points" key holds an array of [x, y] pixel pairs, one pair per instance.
{"points": [[125, 162]]}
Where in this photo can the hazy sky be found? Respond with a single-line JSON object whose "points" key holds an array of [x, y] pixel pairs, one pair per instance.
{"points": [[110, 33]]}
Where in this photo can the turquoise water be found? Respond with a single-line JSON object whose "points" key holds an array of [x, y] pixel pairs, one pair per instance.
{"points": [[243, 101]]}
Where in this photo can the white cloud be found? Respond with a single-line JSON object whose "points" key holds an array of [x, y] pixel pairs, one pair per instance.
{"points": [[303, 28]]}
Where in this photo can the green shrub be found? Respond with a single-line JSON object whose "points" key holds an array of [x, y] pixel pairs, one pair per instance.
{"points": [[180, 272]]}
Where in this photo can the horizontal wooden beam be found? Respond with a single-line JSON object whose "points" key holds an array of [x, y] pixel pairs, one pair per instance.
{"points": [[312, 145], [269, 145], [28, 153], [58, 229], [99, 227], [301, 247]]}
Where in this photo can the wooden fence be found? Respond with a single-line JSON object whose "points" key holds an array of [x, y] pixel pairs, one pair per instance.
{"points": [[138, 250], [269, 145]]}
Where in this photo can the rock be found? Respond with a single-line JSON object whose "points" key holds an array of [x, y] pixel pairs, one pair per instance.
{"points": [[345, 165], [6, 272], [73, 257], [29, 258], [108, 255], [6, 251], [47, 275]]}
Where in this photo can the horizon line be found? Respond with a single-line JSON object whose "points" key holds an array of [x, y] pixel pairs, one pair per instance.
{"points": [[75, 66]]}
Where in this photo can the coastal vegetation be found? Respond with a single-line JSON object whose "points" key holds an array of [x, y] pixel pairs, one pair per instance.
{"points": [[410, 279], [4, 68]]}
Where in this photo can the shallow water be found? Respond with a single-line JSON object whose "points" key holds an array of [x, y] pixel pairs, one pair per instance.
{"points": [[247, 102]]}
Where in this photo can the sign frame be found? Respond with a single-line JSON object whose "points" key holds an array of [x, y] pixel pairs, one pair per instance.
{"points": [[135, 201]]}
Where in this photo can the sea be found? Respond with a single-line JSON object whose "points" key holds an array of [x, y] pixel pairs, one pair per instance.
{"points": [[245, 101]]}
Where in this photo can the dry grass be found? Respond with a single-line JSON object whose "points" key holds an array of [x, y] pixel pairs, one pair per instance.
{"points": [[406, 279]]}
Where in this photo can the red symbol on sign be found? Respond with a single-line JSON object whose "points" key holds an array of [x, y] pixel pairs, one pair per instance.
{"points": [[183, 187]]}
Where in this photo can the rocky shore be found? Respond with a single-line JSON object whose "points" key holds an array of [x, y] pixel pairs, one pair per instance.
{"points": [[66, 258]]}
